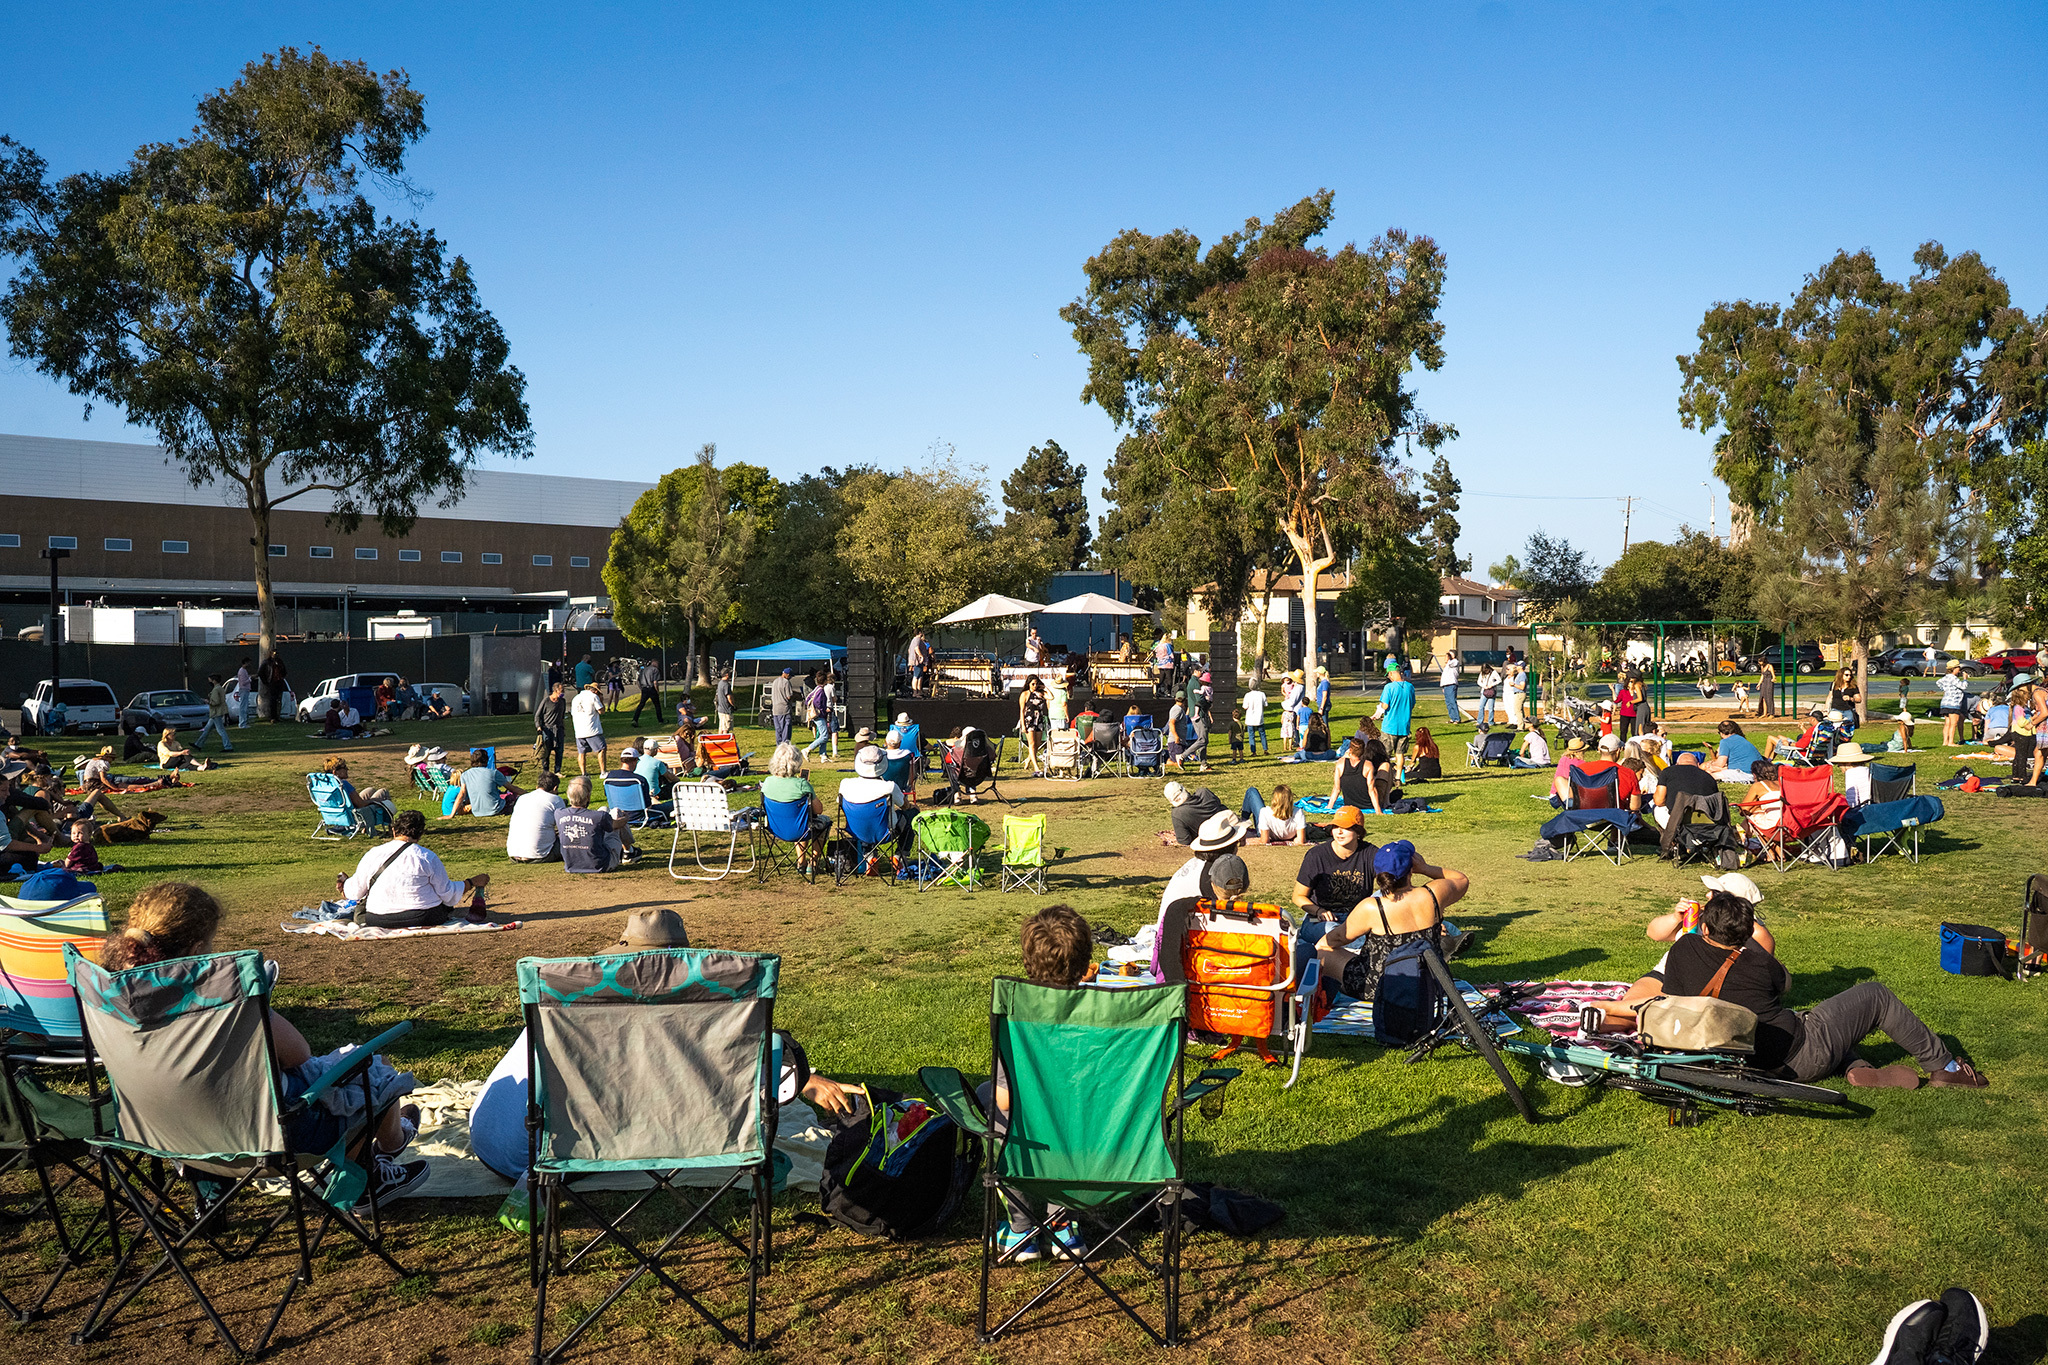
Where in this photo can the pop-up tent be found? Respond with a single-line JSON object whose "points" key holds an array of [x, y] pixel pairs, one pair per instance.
{"points": [[766, 661]]}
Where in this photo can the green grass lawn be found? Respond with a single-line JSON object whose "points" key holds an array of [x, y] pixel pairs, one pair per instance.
{"points": [[1425, 1220]]}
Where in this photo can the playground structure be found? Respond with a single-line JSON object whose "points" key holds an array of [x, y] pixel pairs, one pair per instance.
{"points": [[1663, 636]]}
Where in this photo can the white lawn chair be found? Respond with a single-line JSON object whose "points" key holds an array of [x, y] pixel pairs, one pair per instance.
{"points": [[701, 808], [1063, 755]]}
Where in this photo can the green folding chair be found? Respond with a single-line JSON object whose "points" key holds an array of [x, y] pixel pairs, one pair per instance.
{"points": [[44, 1131], [186, 1047], [949, 848], [1097, 1103], [658, 1063], [1024, 854]]}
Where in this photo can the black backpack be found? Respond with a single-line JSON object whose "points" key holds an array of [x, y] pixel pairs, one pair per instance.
{"points": [[896, 1168]]}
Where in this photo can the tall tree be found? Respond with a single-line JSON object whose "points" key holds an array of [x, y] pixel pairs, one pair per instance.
{"points": [[236, 293], [1440, 516], [1693, 578], [1865, 424], [1392, 578], [2021, 517], [1270, 372], [1048, 485], [1179, 540], [1549, 572]]}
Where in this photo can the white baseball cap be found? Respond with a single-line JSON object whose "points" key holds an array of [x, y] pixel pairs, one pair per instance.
{"points": [[1735, 884]]}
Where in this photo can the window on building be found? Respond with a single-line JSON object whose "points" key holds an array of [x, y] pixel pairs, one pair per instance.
{"points": [[63, 542], [490, 558], [366, 552], [321, 552], [543, 561], [278, 551], [177, 547], [117, 544], [10, 542], [408, 556], [579, 561], [451, 556]]}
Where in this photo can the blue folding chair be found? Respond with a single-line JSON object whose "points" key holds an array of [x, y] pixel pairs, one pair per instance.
{"points": [[624, 792], [1595, 820], [787, 825], [1148, 752], [864, 828], [341, 818]]}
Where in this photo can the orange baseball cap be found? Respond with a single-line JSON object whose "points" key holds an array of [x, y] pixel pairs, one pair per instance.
{"points": [[1349, 817]]}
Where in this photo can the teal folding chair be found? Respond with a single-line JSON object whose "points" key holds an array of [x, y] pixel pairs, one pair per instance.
{"points": [[1096, 1112], [185, 1045], [659, 1063]]}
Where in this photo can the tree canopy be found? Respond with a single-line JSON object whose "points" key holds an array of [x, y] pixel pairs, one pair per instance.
{"points": [[1051, 486], [237, 293], [1267, 373], [1549, 572], [1394, 578], [1693, 578], [1440, 489]]}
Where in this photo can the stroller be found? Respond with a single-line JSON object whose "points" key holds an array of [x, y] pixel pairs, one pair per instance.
{"points": [[974, 769], [1489, 747], [1580, 721]]}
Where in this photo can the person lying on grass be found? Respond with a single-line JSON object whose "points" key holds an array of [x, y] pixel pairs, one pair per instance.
{"points": [[1282, 822], [1401, 910], [98, 782], [404, 885], [1808, 1045], [1057, 946], [176, 919], [497, 1125]]}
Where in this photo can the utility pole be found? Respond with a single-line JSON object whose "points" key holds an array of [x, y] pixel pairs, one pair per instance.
{"points": [[53, 625], [1628, 508], [1712, 534]]}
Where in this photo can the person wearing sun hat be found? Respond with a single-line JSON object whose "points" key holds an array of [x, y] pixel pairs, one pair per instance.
{"points": [[1855, 763], [1220, 833], [1955, 697]]}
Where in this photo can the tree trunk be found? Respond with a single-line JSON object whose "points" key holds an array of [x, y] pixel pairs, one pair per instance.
{"points": [[1259, 640], [266, 600], [693, 672], [1312, 566]]}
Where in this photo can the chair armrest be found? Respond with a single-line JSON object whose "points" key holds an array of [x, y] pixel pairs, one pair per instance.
{"points": [[948, 1089], [359, 1059], [1211, 1080]]}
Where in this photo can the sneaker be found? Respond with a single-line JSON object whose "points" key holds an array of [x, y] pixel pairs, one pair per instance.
{"points": [[1911, 1333], [1966, 1334], [391, 1179], [1015, 1246], [631, 855], [1066, 1240], [1964, 1076], [1896, 1077]]}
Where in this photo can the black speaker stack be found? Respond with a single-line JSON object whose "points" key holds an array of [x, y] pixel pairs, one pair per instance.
{"points": [[863, 689]]}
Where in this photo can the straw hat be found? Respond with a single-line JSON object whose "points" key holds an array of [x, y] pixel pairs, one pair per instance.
{"points": [[1577, 746], [1851, 753], [1219, 831], [654, 929]]}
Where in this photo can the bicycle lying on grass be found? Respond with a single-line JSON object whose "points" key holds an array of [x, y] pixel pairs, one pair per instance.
{"points": [[1688, 1084]]}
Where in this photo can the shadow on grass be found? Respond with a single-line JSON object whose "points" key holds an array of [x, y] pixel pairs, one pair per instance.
{"points": [[2023, 1343]]}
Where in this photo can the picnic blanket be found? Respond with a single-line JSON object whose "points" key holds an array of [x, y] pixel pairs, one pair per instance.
{"points": [[1351, 1018], [350, 932], [1555, 1009]]}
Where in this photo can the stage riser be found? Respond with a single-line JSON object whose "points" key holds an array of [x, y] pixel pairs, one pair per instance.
{"points": [[936, 717]]}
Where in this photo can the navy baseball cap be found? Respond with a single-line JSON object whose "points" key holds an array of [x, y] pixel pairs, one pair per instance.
{"points": [[1394, 860]]}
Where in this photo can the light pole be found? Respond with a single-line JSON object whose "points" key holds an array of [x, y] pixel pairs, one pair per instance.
{"points": [[53, 629]]}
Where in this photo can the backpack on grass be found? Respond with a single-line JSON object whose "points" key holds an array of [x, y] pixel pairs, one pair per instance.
{"points": [[896, 1168], [1972, 950]]}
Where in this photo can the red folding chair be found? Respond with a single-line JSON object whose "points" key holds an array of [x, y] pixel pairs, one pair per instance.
{"points": [[1813, 814]]}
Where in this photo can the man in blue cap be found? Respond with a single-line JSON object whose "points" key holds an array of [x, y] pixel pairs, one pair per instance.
{"points": [[1396, 716]]}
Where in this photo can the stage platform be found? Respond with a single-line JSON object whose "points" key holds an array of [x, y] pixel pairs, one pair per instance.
{"points": [[936, 716]]}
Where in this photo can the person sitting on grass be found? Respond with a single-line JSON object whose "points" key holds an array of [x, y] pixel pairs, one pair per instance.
{"points": [[172, 756], [436, 706], [1735, 757], [1535, 747], [1399, 911], [1191, 808], [530, 838], [1057, 947], [98, 782], [26, 844], [1335, 876], [482, 789], [593, 840], [175, 919], [403, 884], [1809, 1045], [786, 782], [1426, 761], [84, 858]]}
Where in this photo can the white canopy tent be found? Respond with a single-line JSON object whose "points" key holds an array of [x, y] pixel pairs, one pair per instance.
{"points": [[990, 607], [1092, 604]]}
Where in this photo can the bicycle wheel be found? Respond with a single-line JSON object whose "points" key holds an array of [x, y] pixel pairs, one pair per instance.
{"points": [[1477, 1034], [1749, 1083]]}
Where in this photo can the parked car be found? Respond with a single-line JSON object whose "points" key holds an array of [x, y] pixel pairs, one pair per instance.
{"points": [[153, 711], [1910, 661], [89, 707], [314, 708], [455, 694], [2024, 659], [1806, 659]]}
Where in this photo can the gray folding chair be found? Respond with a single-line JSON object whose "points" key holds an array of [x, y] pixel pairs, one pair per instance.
{"points": [[186, 1048], [658, 1063]]}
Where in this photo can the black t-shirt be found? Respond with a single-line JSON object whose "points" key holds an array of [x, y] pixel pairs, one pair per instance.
{"points": [[1757, 981], [1688, 778], [1189, 814], [1337, 884]]}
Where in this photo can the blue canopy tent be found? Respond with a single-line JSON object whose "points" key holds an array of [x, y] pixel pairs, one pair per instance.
{"points": [[790, 653]]}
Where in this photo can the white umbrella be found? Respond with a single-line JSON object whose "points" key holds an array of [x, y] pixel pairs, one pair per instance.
{"points": [[990, 607], [1092, 604]]}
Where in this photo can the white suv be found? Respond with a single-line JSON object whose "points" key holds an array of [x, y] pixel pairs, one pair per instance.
{"points": [[88, 706], [315, 707]]}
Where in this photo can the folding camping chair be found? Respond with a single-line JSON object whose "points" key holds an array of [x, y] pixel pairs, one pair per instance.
{"points": [[1024, 861], [975, 768], [623, 792], [786, 825], [1240, 963], [657, 1063], [702, 808], [1813, 815], [1493, 747], [949, 844], [1893, 826], [866, 827], [1063, 756], [36, 1008], [1147, 752], [433, 786], [186, 1046], [1097, 1109], [1594, 821], [1106, 750], [2033, 929], [340, 818], [723, 757], [1683, 841]]}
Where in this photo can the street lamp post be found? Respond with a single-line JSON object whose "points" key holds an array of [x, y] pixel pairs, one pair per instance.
{"points": [[53, 629]]}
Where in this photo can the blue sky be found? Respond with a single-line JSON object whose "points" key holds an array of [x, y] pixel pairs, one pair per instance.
{"points": [[831, 235]]}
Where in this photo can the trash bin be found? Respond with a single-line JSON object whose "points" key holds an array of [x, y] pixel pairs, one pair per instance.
{"points": [[504, 703]]}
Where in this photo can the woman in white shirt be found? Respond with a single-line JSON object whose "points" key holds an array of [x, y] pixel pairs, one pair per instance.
{"points": [[1514, 686], [1282, 822], [403, 885], [1489, 693]]}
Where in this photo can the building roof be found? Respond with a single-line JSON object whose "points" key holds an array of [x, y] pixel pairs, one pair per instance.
{"points": [[1454, 586], [1330, 580], [116, 471]]}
